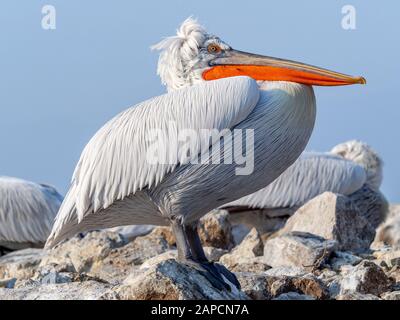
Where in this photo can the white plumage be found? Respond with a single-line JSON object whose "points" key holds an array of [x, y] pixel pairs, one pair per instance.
{"points": [[114, 164], [27, 212], [362, 154], [183, 58]]}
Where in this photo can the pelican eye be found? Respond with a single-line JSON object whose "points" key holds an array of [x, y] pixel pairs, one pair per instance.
{"points": [[214, 48]]}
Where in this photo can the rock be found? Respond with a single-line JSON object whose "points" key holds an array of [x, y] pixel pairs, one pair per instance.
{"points": [[22, 283], [215, 230], [88, 290], [333, 217], [20, 264], [81, 252], [389, 232], [389, 256], [8, 283], [395, 295], [255, 265], [265, 220], [124, 260], [166, 233], [251, 247], [366, 278], [105, 254], [141, 249], [285, 271], [171, 254], [356, 296], [394, 274], [170, 280], [239, 232], [293, 296], [331, 280], [341, 258], [254, 285], [57, 277], [372, 205], [308, 285], [311, 286], [297, 249], [394, 210], [214, 254], [263, 287]]}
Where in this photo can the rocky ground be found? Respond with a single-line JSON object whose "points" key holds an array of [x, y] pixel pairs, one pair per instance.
{"points": [[326, 250]]}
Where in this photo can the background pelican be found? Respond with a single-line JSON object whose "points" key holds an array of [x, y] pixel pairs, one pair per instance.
{"points": [[351, 168], [27, 212], [114, 183]]}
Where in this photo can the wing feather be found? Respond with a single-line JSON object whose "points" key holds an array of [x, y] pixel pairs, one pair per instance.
{"points": [[114, 164]]}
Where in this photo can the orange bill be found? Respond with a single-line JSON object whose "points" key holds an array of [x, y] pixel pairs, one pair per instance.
{"points": [[237, 63]]}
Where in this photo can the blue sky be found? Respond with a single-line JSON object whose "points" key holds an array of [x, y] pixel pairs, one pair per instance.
{"points": [[59, 86]]}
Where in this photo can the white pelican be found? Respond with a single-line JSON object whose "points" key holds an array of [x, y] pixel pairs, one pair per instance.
{"points": [[27, 212], [352, 168], [114, 183]]}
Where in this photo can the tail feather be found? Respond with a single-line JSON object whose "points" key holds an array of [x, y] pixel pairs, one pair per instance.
{"points": [[133, 210]]}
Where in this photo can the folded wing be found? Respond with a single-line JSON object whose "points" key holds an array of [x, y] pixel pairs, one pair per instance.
{"points": [[115, 163]]}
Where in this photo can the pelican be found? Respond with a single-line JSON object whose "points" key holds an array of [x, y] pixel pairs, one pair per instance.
{"points": [[351, 168], [210, 86], [27, 212]]}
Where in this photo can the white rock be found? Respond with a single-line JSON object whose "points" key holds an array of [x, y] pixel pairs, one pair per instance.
{"points": [[333, 217], [394, 295], [357, 296], [289, 271], [170, 280], [366, 278], [250, 247], [171, 254], [20, 264], [88, 290], [341, 258], [297, 250], [293, 296]]}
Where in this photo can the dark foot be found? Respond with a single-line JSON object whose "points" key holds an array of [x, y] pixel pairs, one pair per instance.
{"points": [[230, 276], [214, 274]]}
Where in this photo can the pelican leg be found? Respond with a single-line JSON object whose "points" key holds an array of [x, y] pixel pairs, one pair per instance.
{"points": [[195, 243], [190, 253], [199, 255], [182, 243]]}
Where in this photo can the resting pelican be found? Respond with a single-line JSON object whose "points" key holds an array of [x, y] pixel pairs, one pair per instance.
{"points": [[351, 168], [115, 184], [27, 212]]}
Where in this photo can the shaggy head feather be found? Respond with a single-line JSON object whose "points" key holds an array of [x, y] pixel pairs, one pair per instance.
{"points": [[362, 154], [184, 57]]}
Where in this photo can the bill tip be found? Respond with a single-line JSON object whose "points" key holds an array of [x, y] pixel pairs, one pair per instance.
{"points": [[362, 80]]}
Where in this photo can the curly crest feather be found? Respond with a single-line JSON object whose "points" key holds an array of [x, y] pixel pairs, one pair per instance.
{"points": [[180, 53]]}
